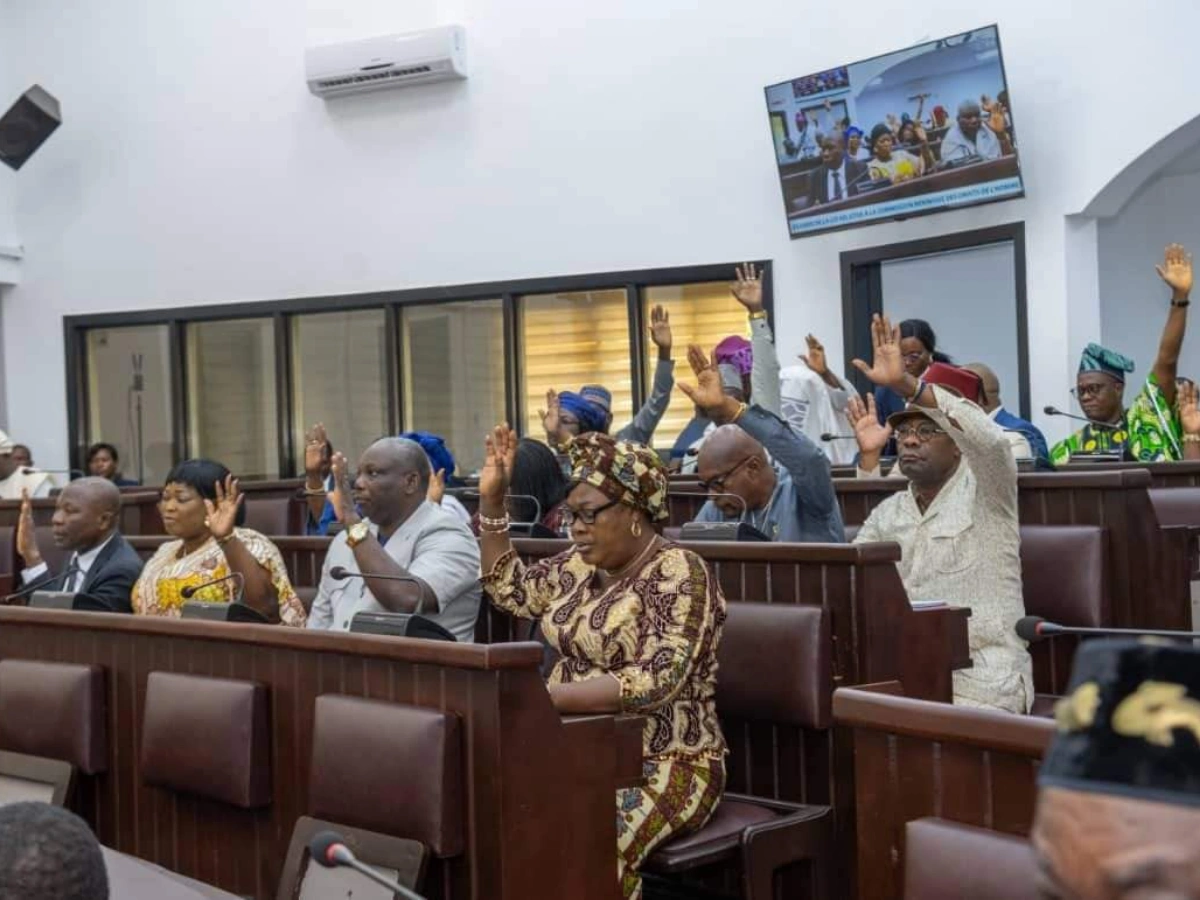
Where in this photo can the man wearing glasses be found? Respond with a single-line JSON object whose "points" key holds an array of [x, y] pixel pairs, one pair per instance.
{"points": [[956, 524], [1149, 429]]}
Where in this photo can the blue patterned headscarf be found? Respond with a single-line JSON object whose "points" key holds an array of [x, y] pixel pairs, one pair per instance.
{"points": [[591, 417], [440, 457], [1100, 359]]}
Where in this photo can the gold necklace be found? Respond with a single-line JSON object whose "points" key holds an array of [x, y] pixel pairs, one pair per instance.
{"points": [[633, 563]]}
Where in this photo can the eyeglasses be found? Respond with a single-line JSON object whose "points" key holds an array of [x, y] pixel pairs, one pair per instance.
{"points": [[717, 485], [586, 516], [1085, 391], [913, 357], [924, 433]]}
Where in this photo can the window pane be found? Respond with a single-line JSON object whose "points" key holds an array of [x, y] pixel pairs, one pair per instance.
{"points": [[569, 340], [454, 374], [339, 377], [232, 399], [702, 314], [113, 399]]}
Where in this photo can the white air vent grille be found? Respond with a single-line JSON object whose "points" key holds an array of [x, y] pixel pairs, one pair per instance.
{"points": [[374, 77]]}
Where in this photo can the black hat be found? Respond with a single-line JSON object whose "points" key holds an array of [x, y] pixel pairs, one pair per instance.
{"points": [[1131, 723]]}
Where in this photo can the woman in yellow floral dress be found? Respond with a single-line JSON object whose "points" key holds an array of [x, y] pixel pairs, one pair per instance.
{"points": [[201, 507], [636, 620]]}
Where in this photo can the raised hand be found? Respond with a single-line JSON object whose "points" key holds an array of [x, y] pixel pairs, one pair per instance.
{"points": [[815, 358], [1176, 271], [221, 516], [887, 367], [997, 121], [27, 547], [342, 497], [660, 328], [1188, 398], [437, 486], [315, 456], [500, 455], [549, 415], [709, 393], [748, 287], [919, 133], [871, 436]]}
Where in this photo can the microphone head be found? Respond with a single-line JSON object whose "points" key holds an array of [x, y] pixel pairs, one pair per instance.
{"points": [[828, 436], [1050, 410], [338, 573], [1029, 629], [188, 592], [323, 846]]}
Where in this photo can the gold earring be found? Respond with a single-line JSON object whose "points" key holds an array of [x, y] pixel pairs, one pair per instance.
{"points": [[636, 528]]}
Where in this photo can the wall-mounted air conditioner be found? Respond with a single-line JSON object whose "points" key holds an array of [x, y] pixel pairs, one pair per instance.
{"points": [[396, 60]]}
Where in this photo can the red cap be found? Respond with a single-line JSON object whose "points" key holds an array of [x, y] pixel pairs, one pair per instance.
{"points": [[951, 378]]}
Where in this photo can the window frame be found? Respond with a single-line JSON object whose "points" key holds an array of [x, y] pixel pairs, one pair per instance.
{"points": [[632, 282]]}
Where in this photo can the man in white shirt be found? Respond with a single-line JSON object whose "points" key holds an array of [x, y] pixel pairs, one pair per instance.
{"points": [[16, 479], [430, 558], [969, 137], [838, 177], [102, 564]]}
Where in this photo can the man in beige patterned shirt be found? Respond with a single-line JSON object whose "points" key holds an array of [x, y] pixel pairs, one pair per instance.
{"points": [[957, 523]]}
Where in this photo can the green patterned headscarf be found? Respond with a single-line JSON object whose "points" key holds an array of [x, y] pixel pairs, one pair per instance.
{"points": [[1100, 359], [621, 470]]}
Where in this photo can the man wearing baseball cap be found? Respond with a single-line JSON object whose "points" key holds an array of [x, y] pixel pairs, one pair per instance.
{"points": [[15, 478], [1118, 811], [956, 524]]}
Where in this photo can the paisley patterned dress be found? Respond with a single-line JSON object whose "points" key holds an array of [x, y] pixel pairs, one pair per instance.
{"points": [[656, 632]]}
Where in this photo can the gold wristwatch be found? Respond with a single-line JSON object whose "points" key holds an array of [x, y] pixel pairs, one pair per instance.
{"points": [[357, 533]]}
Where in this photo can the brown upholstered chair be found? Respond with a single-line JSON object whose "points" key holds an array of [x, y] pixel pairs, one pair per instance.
{"points": [[34, 778], [1176, 505], [207, 736], [307, 595], [55, 710], [399, 858], [775, 668], [269, 515], [422, 800], [949, 861]]}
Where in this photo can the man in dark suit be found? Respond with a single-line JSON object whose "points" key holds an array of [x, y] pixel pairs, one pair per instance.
{"points": [[838, 176], [102, 564]]}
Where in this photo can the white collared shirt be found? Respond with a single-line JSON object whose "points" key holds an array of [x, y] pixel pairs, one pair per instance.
{"points": [[82, 561]]}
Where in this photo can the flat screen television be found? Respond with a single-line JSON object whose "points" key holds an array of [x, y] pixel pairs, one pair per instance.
{"points": [[913, 132]]}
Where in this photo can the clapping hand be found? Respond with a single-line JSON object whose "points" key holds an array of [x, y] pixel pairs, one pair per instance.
{"points": [[709, 393], [500, 455], [1176, 271], [27, 547], [660, 328], [887, 367], [748, 287], [815, 358], [871, 436], [221, 516]]}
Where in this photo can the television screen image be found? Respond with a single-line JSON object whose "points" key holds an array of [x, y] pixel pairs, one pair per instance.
{"points": [[909, 133]]}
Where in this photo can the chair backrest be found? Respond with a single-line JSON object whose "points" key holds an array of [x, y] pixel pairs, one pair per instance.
{"points": [[55, 710], [269, 515], [948, 861], [1176, 505], [421, 799], [207, 736], [34, 778], [774, 665], [398, 858]]}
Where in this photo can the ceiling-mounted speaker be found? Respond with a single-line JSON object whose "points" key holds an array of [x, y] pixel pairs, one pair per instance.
{"points": [[26, 126]]}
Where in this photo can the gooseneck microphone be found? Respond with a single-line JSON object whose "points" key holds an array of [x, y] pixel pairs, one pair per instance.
{"points": [[830, 436], [190, 591], [1035, 628], [1055, 411], [41, 583], [341, 573], [328, 848]]}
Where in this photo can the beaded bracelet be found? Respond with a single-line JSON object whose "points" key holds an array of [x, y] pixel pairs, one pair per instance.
{"points": [[501, 522]]}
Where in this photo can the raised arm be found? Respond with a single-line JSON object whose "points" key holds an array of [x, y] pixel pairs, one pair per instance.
{"points": [[1176, 271], [257, 589], [764, 374], [807, 465], [645, 423], [316, 464]]}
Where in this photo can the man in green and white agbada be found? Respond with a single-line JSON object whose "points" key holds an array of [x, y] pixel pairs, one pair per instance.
{"points": [[1148, 430]]}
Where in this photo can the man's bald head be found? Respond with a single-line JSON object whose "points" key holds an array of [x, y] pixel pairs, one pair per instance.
{"points": [[732, 462], [408, 455], [991, 385], [86, 514]]}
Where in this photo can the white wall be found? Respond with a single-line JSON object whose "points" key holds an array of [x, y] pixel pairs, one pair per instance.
{"points": [[193, 166], [969, 298], [1133, 300]]}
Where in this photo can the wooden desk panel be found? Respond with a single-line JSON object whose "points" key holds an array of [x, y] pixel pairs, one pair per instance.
{"points": [[531, 779]]}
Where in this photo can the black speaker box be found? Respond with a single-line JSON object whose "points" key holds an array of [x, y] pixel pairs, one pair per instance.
{"points": [[26, 126]]}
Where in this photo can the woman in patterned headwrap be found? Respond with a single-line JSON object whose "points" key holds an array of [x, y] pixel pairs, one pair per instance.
{"points": [[636, 621]]}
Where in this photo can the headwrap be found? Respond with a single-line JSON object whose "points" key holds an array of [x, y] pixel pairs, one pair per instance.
{"points": [[598, 394], [738, 352], [1130, 725], [591, 417], [440, 457], [1100, 359], [623, 471], [851, 131]]}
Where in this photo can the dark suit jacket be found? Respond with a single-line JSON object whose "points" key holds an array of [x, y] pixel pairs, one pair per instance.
{"points": [[110, 579], [818, 181]]}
